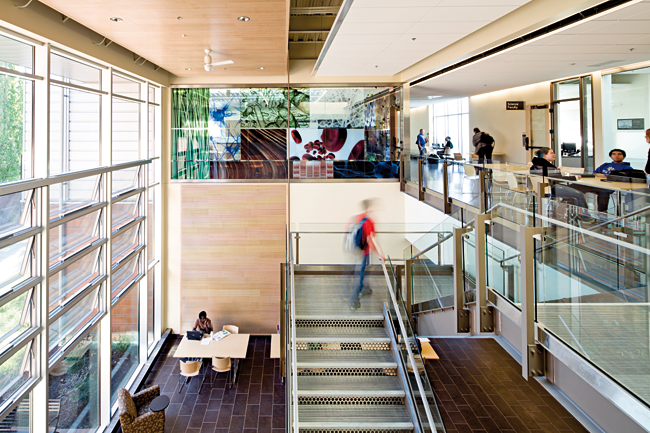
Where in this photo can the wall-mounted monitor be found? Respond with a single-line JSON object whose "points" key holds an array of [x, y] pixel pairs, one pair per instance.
{"points": [[630, 124]]}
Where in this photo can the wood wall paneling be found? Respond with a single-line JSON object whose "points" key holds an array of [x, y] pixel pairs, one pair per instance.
{"points": [[232, 244]]}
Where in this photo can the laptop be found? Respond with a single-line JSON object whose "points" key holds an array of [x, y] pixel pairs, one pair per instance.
{"points": [[194, 335]]}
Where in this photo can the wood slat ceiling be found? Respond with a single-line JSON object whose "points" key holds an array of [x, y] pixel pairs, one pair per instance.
{"points": [[151, 29]]}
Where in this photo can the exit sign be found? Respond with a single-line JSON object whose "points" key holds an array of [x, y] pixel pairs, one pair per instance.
{"points": [[514, 105]]}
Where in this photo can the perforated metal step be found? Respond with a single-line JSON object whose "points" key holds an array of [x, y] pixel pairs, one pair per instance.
{"points": [[345, 359], [344, 386], [353, 418]]}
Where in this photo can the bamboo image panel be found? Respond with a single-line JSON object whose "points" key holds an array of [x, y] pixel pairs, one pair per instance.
{"points": [[232, 244]]}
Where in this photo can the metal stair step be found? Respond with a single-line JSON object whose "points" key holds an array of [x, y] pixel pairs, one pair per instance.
{"points": [[345, 359], [349, 386], [354, 417], [336, 334]]}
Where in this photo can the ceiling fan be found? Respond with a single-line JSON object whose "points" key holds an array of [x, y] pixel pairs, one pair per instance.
{"points": [[208, 61]]}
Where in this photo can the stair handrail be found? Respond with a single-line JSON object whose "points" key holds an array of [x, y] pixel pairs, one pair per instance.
{"points": [[405, 337], [294, 357]]}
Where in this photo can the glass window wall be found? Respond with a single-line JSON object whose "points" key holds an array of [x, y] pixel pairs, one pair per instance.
{"points": [[125, 337]]}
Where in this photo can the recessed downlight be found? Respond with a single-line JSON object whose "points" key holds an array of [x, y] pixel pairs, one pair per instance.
{"points": [[261, 67], [243, 18], [188, 69], [182, 36], [116, 19], [179, 18]]}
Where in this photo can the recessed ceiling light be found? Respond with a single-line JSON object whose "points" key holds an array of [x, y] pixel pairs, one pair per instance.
{"points": [[261, 67], [183, 36], [116, 19], [179, 18], [413, 39], [188, 69], [571, 64], [242, 18], [434, 96]]}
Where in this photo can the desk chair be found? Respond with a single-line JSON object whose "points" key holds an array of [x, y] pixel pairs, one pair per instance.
{"points": [[231, 328], [189, 369], [221, 365], [513, 185], [570, 197], [470, 172]]}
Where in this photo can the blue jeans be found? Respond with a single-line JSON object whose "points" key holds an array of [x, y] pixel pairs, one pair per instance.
{"points": [[359, 288]]}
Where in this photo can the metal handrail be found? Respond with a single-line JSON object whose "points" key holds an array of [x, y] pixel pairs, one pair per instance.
{"points": [[405, 336], [470, 224]]}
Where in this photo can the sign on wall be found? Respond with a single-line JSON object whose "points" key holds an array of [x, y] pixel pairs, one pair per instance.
{"points": [[630, 124], [514, 105]]}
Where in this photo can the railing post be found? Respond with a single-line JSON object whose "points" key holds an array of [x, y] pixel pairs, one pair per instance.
{"points": [[283, 325], [421, 188], [532, 359], [445, 188], [297, 248], [484, 317], [462, 315], [408, 299], [399, 272], [483, 197], [402, 181]]}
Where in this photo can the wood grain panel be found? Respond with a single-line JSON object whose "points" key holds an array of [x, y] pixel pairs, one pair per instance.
{"points": [[151, 29], [232, 244]]}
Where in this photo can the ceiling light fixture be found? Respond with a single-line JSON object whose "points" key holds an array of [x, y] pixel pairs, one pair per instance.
{"points": [[188, 69], [179, 18], [116, 19], [434, 96], [183, 36], [261, 67], [243, 18], [413, 39]]}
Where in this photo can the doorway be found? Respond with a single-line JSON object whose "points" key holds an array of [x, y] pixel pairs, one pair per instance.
{"points": [[572, 122]]}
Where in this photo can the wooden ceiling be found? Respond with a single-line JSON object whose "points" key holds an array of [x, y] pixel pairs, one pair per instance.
{"points": [[151, 29]]}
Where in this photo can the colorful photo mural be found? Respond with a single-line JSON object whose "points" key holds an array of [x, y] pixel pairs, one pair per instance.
{"points": [[261, 133]]}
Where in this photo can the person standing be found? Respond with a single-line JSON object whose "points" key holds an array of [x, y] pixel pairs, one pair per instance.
{"points": [[483, 146], [647, 164], [421, 141], [448, 146], [367, 244]]}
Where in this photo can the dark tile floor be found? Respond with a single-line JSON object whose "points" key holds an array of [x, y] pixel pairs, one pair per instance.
{"points": [[254, 404], [480, 388]]}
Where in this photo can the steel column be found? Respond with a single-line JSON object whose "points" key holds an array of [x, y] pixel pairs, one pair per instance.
{"points": [[462, 315], [484, 319], [532, 360]]}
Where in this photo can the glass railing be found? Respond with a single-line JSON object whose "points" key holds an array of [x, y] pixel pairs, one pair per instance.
{"points": [[417, 378], [591, 288]]}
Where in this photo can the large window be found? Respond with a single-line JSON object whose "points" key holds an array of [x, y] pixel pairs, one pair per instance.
{"points": [[97, 260], [16, 107], [451, 119]]}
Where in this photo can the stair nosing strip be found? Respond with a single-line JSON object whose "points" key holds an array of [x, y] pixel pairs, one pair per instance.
{"points": [[356, 424], [338, 393]]}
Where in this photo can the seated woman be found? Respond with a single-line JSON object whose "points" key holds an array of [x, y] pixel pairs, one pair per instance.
{"points": [[543, 163], [203, 324]]}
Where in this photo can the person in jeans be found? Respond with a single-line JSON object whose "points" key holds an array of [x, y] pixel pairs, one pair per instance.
{"points": [[421, 141], [368, 234]]}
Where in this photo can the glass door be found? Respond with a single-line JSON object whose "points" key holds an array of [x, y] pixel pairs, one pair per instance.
{"points": [[572, 132]]}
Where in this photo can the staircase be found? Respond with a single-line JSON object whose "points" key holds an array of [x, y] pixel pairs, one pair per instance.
{"points": [[347, 374]]}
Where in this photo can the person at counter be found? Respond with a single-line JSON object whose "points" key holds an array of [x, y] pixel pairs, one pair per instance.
{"points": [[543, 163], [617, 155], [203, 324], [602, 195]]}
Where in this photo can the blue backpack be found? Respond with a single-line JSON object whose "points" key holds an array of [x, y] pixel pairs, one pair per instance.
{"points": [[355, 239]]}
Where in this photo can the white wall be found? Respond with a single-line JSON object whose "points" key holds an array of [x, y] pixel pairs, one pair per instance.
{"points": [[488, 113], [329, 206], [421, 118]]}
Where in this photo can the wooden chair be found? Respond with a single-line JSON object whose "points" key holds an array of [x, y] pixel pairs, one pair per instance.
{"points": [[221, 365], [189, 369], [231, 328]]}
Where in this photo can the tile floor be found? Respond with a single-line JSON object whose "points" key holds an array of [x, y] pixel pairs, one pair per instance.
{"points": [[479, 388], [255, 404]]}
